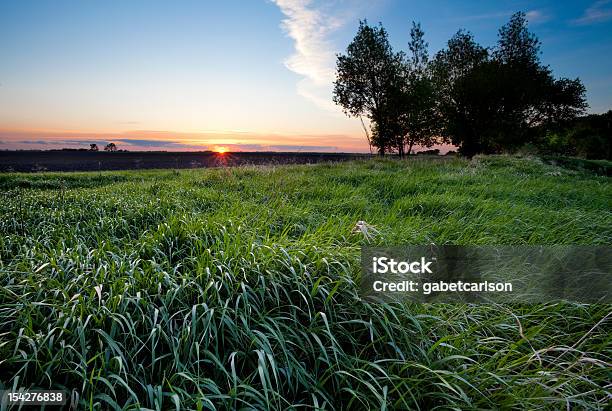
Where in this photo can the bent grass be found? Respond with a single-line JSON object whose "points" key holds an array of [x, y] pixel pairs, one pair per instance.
{"points": [[237, 288]]}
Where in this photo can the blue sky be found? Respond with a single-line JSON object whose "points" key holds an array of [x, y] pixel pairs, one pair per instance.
{"points": [[251, 74]]}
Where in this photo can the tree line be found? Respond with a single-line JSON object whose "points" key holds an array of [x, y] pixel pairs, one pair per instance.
{"points": [[109, 147], [482, 100]]}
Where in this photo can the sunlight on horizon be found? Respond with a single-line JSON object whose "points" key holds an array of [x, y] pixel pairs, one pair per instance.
{"points": [[259, 77], [220, 149]]}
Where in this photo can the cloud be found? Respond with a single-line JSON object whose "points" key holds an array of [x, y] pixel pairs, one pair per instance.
{"points": [[80, 142], [486, 16], [149, 143], [286, 147], [314, 56], [537, 16], [39, 142], [534, 16], [162, 145], [125, 143], [598, 12], [157, 140]]}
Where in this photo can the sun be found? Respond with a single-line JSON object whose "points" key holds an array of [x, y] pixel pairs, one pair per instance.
{"points": [[220, 150]]}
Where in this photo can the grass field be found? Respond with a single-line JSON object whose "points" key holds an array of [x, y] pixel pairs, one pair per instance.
{"points": [[236, 287]]}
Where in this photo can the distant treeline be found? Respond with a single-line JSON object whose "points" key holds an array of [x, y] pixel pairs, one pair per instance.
{"points": [[483, 100]]}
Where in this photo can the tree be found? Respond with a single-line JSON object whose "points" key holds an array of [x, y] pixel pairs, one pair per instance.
{"points": [[417, 99], [367, 78], [530, 96], [462, 98], [93, 147], [482, 101], [565, 101], [591, 136], [587, 136], [489, 103], [110, 147], [516, 45]]}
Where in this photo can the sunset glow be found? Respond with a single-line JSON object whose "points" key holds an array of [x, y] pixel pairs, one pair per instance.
{"points": [[197, 77]]}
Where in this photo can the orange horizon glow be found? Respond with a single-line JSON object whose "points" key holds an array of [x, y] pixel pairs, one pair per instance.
{"points": [[220, 149], [164, 140], [153, 140]]}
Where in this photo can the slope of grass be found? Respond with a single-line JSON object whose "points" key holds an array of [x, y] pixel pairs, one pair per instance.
{"points": [[236, 288]]}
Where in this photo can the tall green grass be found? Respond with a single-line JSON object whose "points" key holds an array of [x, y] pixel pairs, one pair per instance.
{"points": [[236, 288]]}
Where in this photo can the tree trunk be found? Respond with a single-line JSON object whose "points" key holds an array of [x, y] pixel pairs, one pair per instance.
{"points": [[366, 133]]}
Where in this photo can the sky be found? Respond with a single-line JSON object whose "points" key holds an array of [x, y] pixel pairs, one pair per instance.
{"points": [[250, 75]]}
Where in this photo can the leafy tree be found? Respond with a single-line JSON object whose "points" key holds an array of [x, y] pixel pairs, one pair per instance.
{"points": [[367, 79], [565, 101], [516, 45], [110, 147], [592, 136], [460, 80], [93, 147], [484, 101], [588, 136], [418, 119], [490, 103], [530, 95]]}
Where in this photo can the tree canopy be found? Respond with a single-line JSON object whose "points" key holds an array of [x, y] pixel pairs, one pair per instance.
{"points": [[483, 100], [367, 76]]}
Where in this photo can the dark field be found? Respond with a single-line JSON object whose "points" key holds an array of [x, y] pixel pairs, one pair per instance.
{"points": [[134, 160]]}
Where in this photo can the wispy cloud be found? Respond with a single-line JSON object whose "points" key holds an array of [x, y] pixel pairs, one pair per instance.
{"points": [[314, 57], [37, 142], [534, 16], [149, 143], [137, 140], [485, 16], [537, 16], [598, 12]]}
